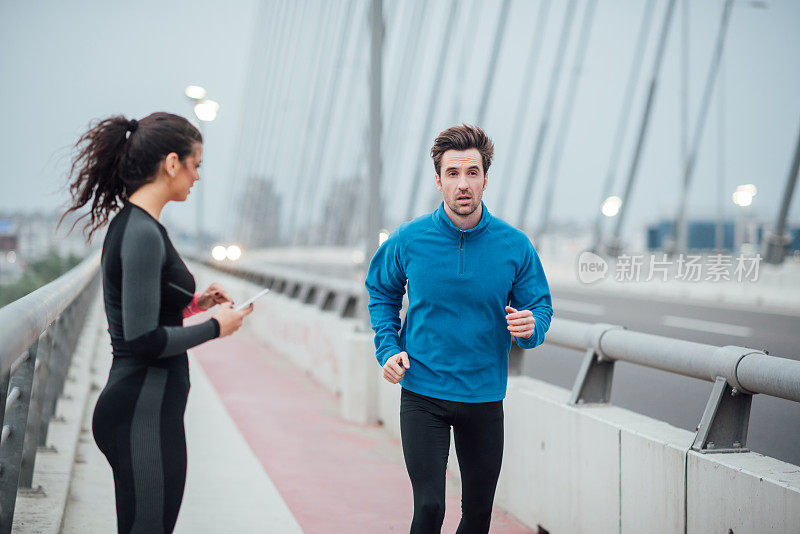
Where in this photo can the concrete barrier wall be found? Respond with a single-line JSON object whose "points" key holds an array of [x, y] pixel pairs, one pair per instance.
{"points": [[329, 348], [742, 493], [588, 468], [569, 469]]}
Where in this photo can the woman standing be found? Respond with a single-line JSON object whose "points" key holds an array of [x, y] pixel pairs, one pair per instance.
{"points": [[137, 167]]}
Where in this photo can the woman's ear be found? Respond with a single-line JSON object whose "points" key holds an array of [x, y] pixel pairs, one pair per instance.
{"points": [[171, 164]]}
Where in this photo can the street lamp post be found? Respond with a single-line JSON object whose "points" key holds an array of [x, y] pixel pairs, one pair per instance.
{"points": [[743, 197], [206, 111]]}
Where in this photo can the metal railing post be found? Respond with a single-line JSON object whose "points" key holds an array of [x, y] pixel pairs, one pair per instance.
{"points": [[593, 382], [13, 435], [34, 425], [723, 427], [3, 395], [51, 389]]}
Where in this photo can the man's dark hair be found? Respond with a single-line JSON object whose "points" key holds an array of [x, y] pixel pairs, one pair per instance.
{"points": [[462, 137]]}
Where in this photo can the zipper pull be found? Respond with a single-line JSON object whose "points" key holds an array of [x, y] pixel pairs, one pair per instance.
{"points": [[461, 241]]}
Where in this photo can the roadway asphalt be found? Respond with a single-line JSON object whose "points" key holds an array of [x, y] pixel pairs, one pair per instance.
{"points": [[774, 423]]}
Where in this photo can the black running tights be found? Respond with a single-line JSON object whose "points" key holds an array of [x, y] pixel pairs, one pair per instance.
{"points": [[478, 431], [138, 425]]}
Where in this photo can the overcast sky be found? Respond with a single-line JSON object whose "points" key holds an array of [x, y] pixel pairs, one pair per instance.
{"points": [[63, 64]]}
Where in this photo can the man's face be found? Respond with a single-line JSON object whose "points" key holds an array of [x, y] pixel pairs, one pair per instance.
{"points": [[462, 180]]}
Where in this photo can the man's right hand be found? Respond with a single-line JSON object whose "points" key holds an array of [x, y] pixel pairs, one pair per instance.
{"points": [[395, 367]]}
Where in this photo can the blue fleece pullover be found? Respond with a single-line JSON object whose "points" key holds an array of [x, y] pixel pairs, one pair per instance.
{"points": [[459, 283]]}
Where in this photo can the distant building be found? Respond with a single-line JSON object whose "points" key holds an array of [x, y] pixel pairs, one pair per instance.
{"points": [[702, 235], [8, 236], [259, 214], [36, 234], [342, 214], [9, 246], [26, 237]]}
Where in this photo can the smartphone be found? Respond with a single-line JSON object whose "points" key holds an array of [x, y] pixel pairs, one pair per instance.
{"points": [[252, 299]]}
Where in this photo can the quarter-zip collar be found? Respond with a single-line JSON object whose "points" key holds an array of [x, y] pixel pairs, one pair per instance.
{"points": [[444, 223]]}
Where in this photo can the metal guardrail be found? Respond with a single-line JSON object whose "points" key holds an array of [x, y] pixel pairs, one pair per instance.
{"points": [[737, 372], [747, 370], [38, 335], [336, 295]]}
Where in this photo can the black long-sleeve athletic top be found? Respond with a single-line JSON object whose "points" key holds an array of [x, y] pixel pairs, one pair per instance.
{"points": [[142, 274]]}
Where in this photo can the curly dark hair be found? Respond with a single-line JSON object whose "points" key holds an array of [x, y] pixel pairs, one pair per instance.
{"points": [[117, 156], [462, 137]]}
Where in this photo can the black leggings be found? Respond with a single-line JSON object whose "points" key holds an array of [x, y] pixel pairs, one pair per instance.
{"points": [[138, 425], [478, 430]]}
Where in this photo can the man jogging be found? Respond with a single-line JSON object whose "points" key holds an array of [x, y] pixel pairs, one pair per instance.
{"points": [[474, 284]]}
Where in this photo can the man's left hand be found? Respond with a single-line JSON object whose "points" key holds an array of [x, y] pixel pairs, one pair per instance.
{"points": [[215, 294], [520, 323]]}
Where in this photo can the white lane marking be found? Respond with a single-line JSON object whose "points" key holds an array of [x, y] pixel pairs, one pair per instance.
{"points": [[577, 306], [706, 326]]}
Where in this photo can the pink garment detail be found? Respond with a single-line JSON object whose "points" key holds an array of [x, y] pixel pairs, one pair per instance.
{"points": [[193, 307]]}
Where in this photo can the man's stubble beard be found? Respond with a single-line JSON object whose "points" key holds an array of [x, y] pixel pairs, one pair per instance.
{"points": [[469, 210]]}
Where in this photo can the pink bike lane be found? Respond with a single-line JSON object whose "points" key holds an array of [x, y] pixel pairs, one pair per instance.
{"points": [[335, 477]]}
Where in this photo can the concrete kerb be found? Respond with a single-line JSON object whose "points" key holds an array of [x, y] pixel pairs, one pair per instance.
{"points": [[43, 512]]}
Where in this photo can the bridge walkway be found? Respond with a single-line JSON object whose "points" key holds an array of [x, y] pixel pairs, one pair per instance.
{"points": [[268, 452]]}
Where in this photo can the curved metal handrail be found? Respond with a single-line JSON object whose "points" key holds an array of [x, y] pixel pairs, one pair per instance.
{"points": [[22, 321], [38, 334], [749, 370]]}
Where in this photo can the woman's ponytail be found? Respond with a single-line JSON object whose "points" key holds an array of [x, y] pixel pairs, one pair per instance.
{"points": [[116, 156]]}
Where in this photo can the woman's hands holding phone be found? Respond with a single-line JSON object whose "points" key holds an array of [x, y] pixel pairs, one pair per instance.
{"points": [[215, 294], [229, 319]]}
